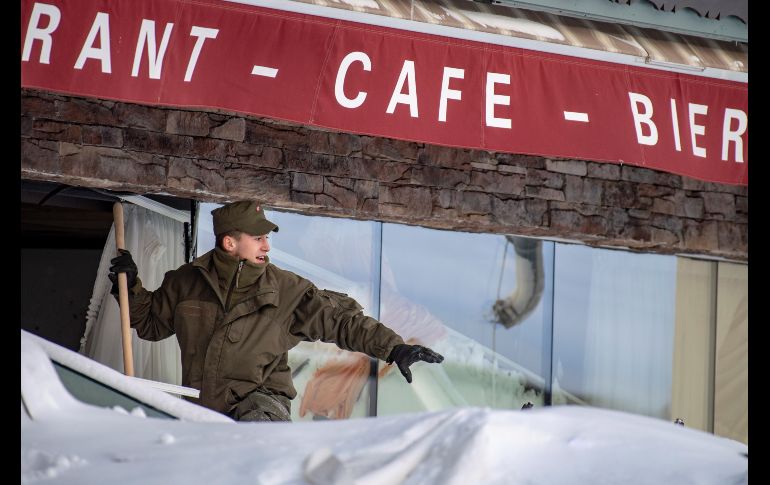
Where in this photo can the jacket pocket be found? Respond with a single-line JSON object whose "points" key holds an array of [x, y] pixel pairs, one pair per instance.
{"points": [[194, 322], [248, 366], [250, 312], [341, 302], [235, 331]]}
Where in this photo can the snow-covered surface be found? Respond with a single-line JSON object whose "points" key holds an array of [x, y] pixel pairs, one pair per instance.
{"points": [[80, 444], [36, 367]]}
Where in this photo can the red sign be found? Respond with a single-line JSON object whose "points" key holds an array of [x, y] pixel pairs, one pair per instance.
{"points": [[379, 81]]}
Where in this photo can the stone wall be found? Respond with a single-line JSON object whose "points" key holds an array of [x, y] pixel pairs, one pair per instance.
{"points": [[215, 156]]}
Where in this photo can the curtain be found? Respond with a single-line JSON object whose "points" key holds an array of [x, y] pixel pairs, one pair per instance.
{"points": [[156, 244]]}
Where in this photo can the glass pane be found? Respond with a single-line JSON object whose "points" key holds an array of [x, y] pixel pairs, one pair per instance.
{"points": [[613, 333], [439, 289], [93, 392], [335, 254], [731, 381]]}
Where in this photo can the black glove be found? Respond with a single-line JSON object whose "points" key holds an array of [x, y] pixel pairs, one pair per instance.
{"points": [[123, 263], [405, 355]]}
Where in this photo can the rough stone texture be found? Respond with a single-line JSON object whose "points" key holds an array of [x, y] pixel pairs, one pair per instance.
{"points": [[438, 177], [606, 171], [102, 135], [719, 203], [497, 183], [647, 176], [693, 207], [582, 189], [571, 167], [512, 169], [152, 142], [387, 149], [405, 200], [620, 193], [187, 123], [195, 175], [215, 156], [537, 178], [439, 156], [483, 166], [544, 193], [303, 182], [234, 129]]}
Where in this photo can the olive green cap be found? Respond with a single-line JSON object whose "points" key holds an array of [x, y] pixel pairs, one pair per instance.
{"points": [[244, 216]]}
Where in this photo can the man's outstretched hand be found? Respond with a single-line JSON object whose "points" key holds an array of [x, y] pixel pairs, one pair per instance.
{"points": [[405, 355]]}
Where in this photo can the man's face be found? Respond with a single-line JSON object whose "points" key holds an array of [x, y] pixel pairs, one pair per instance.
{"points": [[251, 248]]}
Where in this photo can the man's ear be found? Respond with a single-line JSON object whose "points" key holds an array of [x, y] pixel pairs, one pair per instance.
{"points": [[228, 243]]}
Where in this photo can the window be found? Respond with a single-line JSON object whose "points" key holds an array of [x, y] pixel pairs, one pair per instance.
{"points": [[93, 392], [519, 320], [613, 329], [439, 289]]}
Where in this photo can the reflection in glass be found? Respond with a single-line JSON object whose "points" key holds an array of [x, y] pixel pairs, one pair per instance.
{"points": [[440, 289], [613, 331], [91, 391], [492, 305]]}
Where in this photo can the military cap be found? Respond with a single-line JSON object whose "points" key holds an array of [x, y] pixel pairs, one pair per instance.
{"points": [[244, 216]]}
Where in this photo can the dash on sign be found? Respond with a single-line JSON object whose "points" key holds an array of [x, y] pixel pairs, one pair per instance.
{"points": [[575, 116]]}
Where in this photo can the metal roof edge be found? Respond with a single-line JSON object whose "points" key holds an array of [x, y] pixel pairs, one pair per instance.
{"points": [[684, 21], [490, 38]]}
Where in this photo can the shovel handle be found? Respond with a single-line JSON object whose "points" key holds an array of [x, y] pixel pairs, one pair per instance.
{"points": [[125, 321]]}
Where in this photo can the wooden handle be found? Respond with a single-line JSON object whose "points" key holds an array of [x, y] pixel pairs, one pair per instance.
{"points": [[125, 321]]}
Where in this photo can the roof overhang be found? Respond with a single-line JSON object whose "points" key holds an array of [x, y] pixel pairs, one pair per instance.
{"points": [[549, 90], [543, 31], [715, 19]]}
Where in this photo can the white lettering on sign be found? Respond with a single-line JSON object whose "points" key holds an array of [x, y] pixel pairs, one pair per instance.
{"points": [[154, 58], [641, 118], [695, 129], [734, 136], [100, 27], [89, 38], [493, 100], [446, 93], [43, 34], [202, 33], [728, 134], [264, 71], [675, 126], [576, 116], [408, 98], [339, 83]]}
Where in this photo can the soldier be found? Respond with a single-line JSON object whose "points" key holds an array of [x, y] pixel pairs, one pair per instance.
{"points": [[236, 315]]}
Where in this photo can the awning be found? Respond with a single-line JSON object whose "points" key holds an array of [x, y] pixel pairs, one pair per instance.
{"points": [[643, 45], [397, 81]]}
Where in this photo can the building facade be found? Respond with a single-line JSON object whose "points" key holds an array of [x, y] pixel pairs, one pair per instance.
{"points": [[545, 278]]}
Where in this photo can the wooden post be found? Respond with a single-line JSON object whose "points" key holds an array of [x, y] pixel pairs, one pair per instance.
{"points": [[125, 321]]}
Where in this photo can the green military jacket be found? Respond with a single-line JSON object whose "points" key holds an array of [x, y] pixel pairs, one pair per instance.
{"points": [[229, 353]]}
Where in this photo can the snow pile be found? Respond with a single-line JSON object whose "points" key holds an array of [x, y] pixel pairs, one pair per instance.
{"points": [[484, 446], [76, 443], [558, 445], [37, 465], [36, 366]]}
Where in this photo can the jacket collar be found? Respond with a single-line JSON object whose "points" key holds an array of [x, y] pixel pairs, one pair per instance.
{"points": [[206, 266]]}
